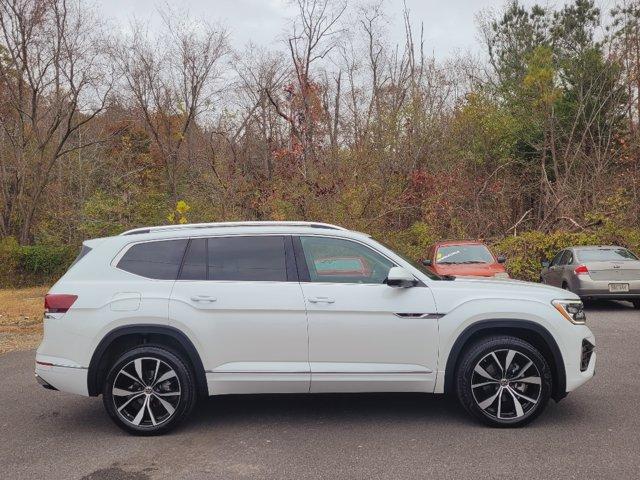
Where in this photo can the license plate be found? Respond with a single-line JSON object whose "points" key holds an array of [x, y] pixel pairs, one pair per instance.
{"points": [[618, 287]]}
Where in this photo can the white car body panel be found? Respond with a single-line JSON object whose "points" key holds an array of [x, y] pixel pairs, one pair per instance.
{"points": [[267, 337], [252, 338]]}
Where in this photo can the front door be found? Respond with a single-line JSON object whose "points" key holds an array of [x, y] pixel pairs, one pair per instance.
{"points": [[239, 300], [363, 334]]}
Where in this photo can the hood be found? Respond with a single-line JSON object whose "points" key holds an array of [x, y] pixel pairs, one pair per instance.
{"points": [[470, 269], [453, 292]]}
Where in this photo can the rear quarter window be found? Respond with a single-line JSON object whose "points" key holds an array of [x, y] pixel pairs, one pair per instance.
{"points": [[158, 260]]}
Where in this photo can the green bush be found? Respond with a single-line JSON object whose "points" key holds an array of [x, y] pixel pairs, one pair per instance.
{"points": [[45, 260], [32, 264], [525, 252], [10, 260]]}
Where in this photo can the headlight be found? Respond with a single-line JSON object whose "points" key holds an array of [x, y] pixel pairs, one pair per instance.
{"points": [[501, 275], [572, 310]]}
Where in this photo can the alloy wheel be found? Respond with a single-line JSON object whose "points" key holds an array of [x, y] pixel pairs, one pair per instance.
{"points": [[146, 392], [506, 385]]}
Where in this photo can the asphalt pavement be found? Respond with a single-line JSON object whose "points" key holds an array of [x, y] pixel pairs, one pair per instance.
{"points": [[592, 434]]}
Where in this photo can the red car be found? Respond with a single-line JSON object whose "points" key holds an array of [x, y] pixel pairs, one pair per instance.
{"points": [[464, 259]]}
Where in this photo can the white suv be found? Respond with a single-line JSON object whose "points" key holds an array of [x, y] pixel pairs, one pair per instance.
{"points": [[157, 317]]}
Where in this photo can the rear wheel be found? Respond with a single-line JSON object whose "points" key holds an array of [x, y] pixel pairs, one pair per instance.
{"points": [[149, 390], [503, 381]]}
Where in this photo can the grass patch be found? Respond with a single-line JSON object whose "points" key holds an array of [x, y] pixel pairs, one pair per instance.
{"points": [[21, 313]]}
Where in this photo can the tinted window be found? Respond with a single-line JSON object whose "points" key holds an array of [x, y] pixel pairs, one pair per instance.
{"points": [[341, 261], [160, 260], [247, 258], [556, 259], [606, 255], [194, 266], [566, 257]]}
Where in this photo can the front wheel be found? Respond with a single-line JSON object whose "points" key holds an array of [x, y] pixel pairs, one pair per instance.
{"points": [[503, 381], [149, 390]]}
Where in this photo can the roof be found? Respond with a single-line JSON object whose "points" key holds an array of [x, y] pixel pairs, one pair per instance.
{"points": [[250, 227]]}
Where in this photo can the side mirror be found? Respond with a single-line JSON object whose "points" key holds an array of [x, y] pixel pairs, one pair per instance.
{"points": [[399, 277], [427, 262], [545, 264], [502, 259]]}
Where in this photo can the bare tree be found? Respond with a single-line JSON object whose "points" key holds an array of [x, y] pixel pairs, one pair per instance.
{"points": [[173, 79], [53, 81]]}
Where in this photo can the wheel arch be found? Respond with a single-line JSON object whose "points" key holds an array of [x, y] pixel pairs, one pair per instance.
{"points": [[120, 339], [527, 330]]}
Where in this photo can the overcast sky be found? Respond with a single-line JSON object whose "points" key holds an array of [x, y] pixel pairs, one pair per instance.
{"points": [[450, 25]]}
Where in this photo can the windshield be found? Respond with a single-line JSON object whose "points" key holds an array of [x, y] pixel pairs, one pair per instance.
{"points": [[457, 254], [605, 255]]}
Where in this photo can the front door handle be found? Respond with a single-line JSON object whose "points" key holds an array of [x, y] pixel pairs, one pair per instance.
{"points": [[321, 300], [203, 299]]}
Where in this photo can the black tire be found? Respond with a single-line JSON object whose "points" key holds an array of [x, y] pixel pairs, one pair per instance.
{"points": [[152, 394], [508, 407], [636, 304]]}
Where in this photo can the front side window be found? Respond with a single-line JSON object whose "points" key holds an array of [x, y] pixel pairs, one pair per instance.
{"points": [[159, 260], [463, 254], [259, 258], [336, 260]]}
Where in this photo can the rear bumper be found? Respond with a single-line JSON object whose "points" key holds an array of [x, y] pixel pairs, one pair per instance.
{"points": [[58, 376], [590, 288]]}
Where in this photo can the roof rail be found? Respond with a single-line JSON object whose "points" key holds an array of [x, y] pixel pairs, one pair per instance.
{"points": [[184, 226]]}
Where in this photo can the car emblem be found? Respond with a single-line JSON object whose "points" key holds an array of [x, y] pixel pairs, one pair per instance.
{"points": [[616, 266]]}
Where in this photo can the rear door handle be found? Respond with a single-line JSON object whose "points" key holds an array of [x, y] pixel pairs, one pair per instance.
{"points": [[321, 300], [203, 299]]}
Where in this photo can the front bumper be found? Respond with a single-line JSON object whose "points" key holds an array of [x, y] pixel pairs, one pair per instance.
{"points": [[579, 368]]}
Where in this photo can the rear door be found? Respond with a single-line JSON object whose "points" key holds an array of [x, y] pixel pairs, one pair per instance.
{"points": [[363, 334], [239, 300]]}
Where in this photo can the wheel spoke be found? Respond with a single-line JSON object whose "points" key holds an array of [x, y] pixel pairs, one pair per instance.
{"points": [[516, 403], [483, 373], [167, 406], [153, 419], [121, 392], [495, 359], [476, 385], [155, 374], [489, 401], [167, 394], [523, 370], [137, 363], [127, 374], [129, 401], [165, 376], [534, 380], [510, 355], [138, 419], [528, 399], [499, 413]]}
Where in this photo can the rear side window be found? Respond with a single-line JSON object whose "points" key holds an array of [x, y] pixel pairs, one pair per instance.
{"points": [[259, 258], [160, 260]]}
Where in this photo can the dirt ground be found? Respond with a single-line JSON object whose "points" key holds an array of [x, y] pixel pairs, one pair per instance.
{"points": [[21, 313]]}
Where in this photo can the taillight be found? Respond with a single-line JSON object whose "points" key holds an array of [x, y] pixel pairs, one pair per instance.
{"points": [[58, 302], [581, 270]]}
